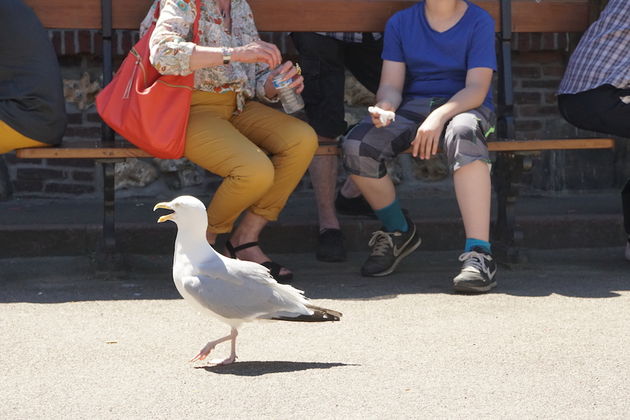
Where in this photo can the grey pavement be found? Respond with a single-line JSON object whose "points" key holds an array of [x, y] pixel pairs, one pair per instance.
{"points": [[552, 341]]}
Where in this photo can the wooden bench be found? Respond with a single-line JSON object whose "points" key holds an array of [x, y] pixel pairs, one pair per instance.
{"points": [[333, 15]]}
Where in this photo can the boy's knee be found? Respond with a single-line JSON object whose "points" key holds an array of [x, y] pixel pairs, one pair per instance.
{"points": [[464, 142], [357, 160], [463, 127]]}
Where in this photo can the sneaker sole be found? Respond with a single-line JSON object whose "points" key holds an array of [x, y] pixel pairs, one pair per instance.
{"points": [[474, 289], [397, 261]]}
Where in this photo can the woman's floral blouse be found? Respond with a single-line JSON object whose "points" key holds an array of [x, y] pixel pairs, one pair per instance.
{"points": [[171, 46]]}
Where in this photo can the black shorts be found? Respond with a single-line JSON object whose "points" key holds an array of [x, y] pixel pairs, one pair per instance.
{"points": [[323, 60]]}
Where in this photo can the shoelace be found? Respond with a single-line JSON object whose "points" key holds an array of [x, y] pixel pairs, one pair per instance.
{"points": [[381, 241], [473, 259]]}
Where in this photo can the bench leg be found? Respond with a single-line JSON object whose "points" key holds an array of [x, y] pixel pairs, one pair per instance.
{"points": [[108, 258], [507, 171], [5, 181]]}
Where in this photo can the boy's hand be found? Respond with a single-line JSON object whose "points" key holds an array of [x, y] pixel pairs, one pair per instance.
{"points": [[376, 116], [428, 137]]}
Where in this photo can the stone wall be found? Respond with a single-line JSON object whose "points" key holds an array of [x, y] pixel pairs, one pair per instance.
{"points": [[539, 62]]}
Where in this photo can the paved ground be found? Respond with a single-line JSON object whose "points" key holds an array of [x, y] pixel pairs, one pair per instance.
{"points": [[553, 341]]}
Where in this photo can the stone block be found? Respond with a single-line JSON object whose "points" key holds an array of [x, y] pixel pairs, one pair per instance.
{"points": [[74, 189], [434, 169], [356, 93], [31, 174], [81, 92], [135, 173]]}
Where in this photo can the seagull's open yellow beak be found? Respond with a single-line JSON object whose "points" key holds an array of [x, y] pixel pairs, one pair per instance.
{"points": [[166, 206]]}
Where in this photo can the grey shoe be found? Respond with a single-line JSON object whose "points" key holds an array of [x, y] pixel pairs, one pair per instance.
{"points": [[388, 249], [628, 250], [478, 272]]}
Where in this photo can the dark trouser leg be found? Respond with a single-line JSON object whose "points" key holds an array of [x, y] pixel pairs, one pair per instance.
{"points": [[5, 181], [625, 201], [600, 109]]}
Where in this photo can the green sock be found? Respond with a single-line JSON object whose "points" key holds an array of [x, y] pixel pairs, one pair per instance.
{"points": [[473, 242], [392, 217]]}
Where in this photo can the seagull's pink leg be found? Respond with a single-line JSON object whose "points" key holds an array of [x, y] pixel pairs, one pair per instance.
{"points": [[205, 351], [232, 357]]}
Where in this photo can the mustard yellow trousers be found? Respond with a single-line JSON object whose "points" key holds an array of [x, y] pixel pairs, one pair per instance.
{"points": [[11, 139], [261, 154]]}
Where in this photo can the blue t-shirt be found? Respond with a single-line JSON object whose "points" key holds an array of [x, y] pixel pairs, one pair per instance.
{"points": [[437, 62]]}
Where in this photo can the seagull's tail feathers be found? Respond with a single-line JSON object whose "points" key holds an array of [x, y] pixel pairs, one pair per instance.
{"points": [[319, 315]]}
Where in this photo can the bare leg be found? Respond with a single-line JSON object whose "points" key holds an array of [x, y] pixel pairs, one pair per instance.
{"points": [[211, 237], [249, 230], [473, 191], [379, 192], [323, 172], [205, 351]]}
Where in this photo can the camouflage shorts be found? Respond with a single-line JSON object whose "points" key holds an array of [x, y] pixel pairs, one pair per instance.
{"points": [[367, 148]]}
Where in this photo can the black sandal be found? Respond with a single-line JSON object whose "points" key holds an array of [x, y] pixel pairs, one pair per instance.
{"points": [[274, 267]]}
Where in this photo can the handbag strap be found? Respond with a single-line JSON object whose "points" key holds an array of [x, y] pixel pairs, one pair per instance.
{"points": [[195, 27]]}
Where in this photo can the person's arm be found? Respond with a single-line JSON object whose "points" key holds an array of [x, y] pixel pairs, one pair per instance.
{"points": [[389, 94], [427, 139], [170, 46], [267, 63], [254, 52], [173, 53]]}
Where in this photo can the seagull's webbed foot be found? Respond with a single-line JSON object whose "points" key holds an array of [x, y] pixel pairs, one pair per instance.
{"points": [[205, 351], [228, 361]]}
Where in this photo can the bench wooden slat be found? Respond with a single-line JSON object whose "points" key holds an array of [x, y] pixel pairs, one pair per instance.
{"points": [[493, 146], [318, 15], [555, 144], [80, 153]]}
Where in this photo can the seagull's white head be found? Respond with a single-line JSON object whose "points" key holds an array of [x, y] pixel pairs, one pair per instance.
{"points": [[187, 210]]}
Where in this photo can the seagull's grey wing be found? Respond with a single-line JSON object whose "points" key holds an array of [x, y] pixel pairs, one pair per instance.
{"points": [[249, 300], [233, 270], [286, 296]]}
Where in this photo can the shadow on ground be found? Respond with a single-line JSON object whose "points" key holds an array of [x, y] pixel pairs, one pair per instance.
{"points": [[268, 367], [581, 273]]}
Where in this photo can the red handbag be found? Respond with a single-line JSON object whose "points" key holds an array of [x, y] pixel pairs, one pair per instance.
{"points": [[149, 109]]}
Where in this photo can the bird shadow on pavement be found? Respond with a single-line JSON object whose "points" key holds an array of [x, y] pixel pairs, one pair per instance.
{"points": [[260, 368]]}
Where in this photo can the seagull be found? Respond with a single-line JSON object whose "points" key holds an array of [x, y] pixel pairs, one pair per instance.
{"points": [[231, 290]]}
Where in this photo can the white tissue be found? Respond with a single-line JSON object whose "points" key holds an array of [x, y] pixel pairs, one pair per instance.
{"points": [[384, 116]]}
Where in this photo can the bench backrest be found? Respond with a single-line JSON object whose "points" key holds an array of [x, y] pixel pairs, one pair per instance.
{"points": [[318, 15]]}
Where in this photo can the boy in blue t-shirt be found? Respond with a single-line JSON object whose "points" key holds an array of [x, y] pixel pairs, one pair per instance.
{"points": [[438, 61]]}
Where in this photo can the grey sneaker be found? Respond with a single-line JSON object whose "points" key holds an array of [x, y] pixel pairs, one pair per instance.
{"points": [[628, 250], [478, 272], [388, 249]]}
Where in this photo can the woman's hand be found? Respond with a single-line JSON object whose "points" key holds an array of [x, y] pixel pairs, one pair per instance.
{"points": [[376, 117], [258, 52], [428, 136], [288, 71]]}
